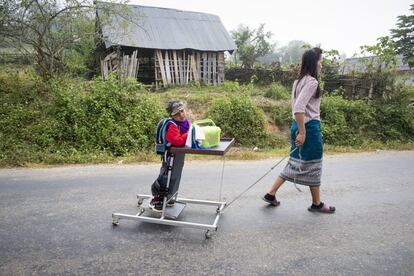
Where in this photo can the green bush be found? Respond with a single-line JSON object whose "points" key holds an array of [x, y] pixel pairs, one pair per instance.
{"points": [[277, 92], [108, 116], [346, 122], [282, 115], [238, 117], [65, 117], [24, 126], [351, 122], [395, 122], [231, 86]]}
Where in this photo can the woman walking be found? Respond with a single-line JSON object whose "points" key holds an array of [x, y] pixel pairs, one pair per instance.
{"points": [[305, 163]]}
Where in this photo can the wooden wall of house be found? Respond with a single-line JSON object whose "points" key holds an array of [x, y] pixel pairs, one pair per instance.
{"points": [[164, 68], [144, 63], [121, 63], [180, 67]]}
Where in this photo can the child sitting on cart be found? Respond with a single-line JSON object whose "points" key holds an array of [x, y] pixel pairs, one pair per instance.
{"points": [[176, 135]]}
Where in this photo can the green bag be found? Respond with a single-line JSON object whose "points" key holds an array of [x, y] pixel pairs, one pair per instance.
{"points": [[211, 132]]}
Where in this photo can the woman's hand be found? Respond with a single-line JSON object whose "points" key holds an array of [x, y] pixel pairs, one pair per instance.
{"points": [[301, 132], [300, 139]]}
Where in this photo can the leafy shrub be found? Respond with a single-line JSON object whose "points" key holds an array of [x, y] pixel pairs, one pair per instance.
{"points": [[238, 117], [110, 116], [346, 122], [24, 123], [395, 122], [282, 115], [231, 85], [65, 117], [277, 92], [350, 122]]}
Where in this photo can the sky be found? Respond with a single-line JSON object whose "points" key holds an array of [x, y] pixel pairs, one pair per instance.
{"points": [[334, 24]]}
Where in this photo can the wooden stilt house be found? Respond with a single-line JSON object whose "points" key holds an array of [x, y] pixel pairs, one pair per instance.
{"points": [[162, 46]]}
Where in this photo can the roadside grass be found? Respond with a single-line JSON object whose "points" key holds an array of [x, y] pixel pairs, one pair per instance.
{"points": [[235, 153]]}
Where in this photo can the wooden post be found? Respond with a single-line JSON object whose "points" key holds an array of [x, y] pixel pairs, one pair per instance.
{"points": [[199, 68], [161, 64], [221, 67], [371, 90], [167, 67], [209, 68], [205, 67], [136, 65], [172, 67], [214, 65], [156, 72], [353, 86], [194, 68], [187, 69], [177, 77], [102, 69], [130, 63], [180, 67]]}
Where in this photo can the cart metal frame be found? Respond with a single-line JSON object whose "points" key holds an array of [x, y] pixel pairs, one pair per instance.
{"points": [[168, 215]]}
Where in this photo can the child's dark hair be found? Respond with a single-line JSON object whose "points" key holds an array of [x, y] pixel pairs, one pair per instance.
{"points": [[310, 66]]}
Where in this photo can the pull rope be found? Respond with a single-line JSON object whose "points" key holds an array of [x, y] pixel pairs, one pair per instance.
{"points": [[300, 166], [300, 170], [257, 181]]}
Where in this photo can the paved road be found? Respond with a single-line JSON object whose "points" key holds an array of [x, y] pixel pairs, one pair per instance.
{"points": [[58, 221]]}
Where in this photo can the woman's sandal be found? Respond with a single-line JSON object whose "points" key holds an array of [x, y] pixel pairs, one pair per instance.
{"points": [[271, 200], [324, 209]]}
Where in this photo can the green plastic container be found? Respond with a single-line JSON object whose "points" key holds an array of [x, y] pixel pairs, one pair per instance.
{"points": [[211, 131]]}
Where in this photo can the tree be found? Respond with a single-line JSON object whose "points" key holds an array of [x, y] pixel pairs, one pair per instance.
{"points": [[251, 44], [57, 35], [384, 53], [403, 37], [292, 52], [330, 63], [380, 67]]}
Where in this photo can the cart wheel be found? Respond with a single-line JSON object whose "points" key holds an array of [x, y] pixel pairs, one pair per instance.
{"points": [[115, 220], [208, 234], [140, 201], [141, 211]]}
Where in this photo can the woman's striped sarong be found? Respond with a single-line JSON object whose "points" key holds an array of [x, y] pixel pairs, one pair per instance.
{"points": [[305, 164]]}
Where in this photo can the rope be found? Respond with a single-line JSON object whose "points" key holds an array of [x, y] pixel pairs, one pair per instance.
{"points": [[300, 170], [257, 181]]}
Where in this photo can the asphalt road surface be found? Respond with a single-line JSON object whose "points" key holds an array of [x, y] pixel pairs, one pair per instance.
{"points": [[57, 221]]}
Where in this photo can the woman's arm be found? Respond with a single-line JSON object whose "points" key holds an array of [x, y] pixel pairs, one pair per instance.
{"points": [[302, 100], [306, 93], [301, 137]]}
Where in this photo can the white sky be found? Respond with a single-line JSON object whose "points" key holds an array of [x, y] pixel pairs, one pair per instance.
{"points": [[342, 25]]}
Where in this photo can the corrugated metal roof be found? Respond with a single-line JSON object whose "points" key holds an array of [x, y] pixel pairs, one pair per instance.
{"points": [[161, 28]]}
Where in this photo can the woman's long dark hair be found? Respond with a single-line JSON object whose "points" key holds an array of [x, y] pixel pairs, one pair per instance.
{"points": [[310, 67]]}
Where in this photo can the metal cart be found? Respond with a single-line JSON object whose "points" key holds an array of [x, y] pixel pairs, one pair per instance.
{"points": [[168, 215]]}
